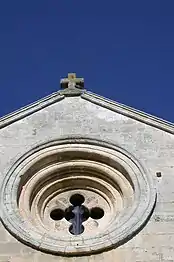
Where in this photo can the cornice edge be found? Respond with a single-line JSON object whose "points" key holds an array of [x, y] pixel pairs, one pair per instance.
{"points": [[129, 112]]}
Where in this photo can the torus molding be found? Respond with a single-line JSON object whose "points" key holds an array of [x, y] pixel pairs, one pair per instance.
{"points": [[76, 196]]}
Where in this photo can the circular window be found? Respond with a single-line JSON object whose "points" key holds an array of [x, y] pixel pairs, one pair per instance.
{"points": [[76, 196]]}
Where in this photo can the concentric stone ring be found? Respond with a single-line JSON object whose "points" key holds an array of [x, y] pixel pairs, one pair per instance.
{"points": [[42, 182]]}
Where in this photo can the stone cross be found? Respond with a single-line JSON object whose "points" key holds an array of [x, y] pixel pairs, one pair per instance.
{"points": [[72, 81]]}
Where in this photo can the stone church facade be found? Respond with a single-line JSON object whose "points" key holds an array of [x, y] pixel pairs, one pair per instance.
{"points": [[84, 178]]}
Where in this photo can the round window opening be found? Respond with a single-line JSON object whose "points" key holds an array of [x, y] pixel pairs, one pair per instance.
{"points": [[76, 214], [76, 196]]}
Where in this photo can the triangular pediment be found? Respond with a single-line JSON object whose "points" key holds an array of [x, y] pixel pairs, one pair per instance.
{"points": [[89, 172], [93, 98]]}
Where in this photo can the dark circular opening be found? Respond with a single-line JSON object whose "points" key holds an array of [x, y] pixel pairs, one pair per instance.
{"points": [[85, 213], [74, 232], [77, 200], [96, 213], [69, 213], [57, 214], [158, 174]]}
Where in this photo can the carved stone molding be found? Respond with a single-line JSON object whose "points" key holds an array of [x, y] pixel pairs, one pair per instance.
{"points": [[46, 178]]}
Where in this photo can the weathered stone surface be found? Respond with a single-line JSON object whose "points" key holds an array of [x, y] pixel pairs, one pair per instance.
{"points": [[152, 146], [109, 180]]}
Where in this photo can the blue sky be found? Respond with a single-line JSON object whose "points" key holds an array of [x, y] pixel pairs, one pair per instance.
{"points": [[123, 49]]}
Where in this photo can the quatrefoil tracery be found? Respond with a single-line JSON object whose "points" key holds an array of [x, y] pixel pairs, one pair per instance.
{"points": [[76, 214]]}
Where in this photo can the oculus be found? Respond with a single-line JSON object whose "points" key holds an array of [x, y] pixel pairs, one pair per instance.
{"points": [[76, 196], [76, 214]]}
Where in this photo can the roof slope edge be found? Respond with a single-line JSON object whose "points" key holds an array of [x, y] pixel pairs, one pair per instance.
{"points": [[93, 98], [30, 109], [129, 112]]}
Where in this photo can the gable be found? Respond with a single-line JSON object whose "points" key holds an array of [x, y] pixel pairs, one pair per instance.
{"points": [[79, 116], [149, 139], [93, 98]]}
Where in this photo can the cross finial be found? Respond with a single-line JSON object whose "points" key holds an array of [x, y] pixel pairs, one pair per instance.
{"points": [[72, 82]]}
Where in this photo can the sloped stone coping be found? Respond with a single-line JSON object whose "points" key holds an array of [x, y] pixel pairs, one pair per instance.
{"points": [[124, 188]]}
